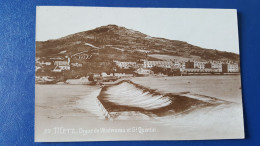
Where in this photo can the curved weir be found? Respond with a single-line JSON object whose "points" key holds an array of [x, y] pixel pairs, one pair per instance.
{"points": [[126, 96]]}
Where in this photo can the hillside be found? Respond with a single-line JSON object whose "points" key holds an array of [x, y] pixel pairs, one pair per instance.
{"points": [[119, 43]]}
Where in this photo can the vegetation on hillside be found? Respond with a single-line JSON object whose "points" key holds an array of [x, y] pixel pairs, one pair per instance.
{"points": [[119, 43]]}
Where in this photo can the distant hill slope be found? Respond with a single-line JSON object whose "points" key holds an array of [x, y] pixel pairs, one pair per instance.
{"points": [[119, 43]]}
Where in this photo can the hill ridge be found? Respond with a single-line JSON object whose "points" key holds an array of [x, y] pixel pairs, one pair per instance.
{"points": [[129, 41]]}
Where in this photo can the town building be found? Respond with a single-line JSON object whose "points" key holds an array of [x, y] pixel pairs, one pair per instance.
{"points": [[178, 64], [62, 65], [199, 65], [197, 70], [164, 64], [125, 65], [230, 67], [196, 66], [233, 67], [142, 72], [216, 65]]}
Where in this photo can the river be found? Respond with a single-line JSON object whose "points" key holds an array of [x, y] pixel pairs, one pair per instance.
{"points": [[179, 107]]}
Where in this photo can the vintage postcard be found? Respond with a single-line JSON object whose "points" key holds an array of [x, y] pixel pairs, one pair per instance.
{"points": [[109, 74]]}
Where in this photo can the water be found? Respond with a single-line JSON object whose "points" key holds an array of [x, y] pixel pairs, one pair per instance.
{"points": [[213, 103], [127, 96], [56, 101], [225, 87]]}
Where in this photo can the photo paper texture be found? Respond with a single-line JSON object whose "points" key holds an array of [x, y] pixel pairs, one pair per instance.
{"points": [[112, 74]]}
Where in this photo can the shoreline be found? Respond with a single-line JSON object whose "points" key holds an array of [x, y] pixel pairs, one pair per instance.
{"points": [[125, 78]]}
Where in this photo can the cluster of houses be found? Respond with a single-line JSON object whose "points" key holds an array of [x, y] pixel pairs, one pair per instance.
{"points": [[144, 66], [188, 66], [211, 66]]}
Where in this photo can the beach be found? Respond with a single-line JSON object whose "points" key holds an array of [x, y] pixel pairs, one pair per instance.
{"points": [[80, 111]]}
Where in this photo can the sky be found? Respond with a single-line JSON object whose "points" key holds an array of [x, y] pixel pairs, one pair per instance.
{"points": [[207, 28]]}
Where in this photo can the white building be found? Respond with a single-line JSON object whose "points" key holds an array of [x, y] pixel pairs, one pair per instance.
{"points": [[217, 66], [199, 65], [233, 67], [125, 65], [165, 64], [61, 65], [143, 72]]}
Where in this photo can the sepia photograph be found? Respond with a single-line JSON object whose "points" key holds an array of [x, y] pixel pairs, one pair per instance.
{"points": [[120, 74]]}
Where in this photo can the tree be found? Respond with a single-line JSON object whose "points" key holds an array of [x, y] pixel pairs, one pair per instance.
{"points": [[157, 70], [91, 77]]}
